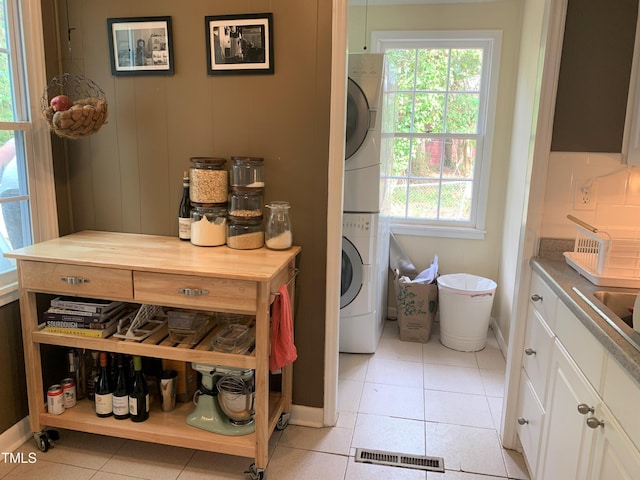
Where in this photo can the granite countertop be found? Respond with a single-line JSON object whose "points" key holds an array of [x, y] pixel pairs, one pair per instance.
{"points": [[561, 278]]}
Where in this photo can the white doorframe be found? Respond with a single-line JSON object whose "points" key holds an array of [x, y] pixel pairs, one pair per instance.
{"points": [[334, 207]]}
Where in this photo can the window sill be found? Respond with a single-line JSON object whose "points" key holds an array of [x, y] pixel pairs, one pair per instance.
{"points": [[9, 294], [466, 233]]}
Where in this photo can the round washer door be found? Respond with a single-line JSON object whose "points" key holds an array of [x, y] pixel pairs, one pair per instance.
{"points": [[357, 118], [351, 278]]}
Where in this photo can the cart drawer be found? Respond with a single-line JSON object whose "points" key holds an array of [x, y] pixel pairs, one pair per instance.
{"points": [[195, 292], [76, 280]]}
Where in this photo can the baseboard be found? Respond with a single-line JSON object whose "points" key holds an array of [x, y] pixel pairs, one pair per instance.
{"points": [[501, 342], [15, 436], [307, 416]]}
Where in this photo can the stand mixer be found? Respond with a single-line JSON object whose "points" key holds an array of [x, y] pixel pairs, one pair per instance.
{"points": [[224, 401]]}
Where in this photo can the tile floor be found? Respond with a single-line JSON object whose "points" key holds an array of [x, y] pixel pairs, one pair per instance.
{"points": [[407, 397]]}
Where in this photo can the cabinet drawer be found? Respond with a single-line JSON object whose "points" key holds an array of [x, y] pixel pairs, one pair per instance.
{"points": [[530, 421], [544, 300], [195, 292], [538, 344], [582, 346], [76, 280]]}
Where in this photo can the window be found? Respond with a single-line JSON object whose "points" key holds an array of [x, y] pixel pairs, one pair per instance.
{"points": [[22, 140], [437, 129]]}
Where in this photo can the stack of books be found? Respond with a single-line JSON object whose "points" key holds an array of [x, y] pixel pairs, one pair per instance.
{"points": [[85, 317]]}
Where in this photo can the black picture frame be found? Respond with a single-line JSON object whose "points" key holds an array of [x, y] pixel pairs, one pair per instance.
{"points": [[239, 44], [140, 46]]}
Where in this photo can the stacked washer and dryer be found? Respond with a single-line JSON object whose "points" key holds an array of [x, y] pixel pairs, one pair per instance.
{"points": [[365, 234]]}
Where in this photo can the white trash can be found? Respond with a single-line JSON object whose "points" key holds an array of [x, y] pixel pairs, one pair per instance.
{"points": [[465, 310]]}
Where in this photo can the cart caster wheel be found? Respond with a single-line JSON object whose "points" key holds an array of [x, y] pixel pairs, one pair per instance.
{"points": [[42, 441], [53, 435], [255, 473], [283, 421]]}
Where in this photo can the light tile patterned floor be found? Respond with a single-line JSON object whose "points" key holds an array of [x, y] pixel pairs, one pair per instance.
{"points": [[407, 397]]}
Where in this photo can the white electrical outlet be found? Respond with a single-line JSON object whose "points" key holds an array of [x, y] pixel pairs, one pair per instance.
{"points": [[583, 199]]}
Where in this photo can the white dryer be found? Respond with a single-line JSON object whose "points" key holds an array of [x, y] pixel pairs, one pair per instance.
{"points": [[363, 287], [363, 131]]}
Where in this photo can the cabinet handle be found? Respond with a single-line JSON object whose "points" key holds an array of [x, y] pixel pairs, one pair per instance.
{"points": [[583, 408], [74, 280], [593, 422], [522, 421], [529, 351], [536, 298], [193, 292]]}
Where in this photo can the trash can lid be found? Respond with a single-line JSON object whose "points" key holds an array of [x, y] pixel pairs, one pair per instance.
{"points": [[465, 282]]}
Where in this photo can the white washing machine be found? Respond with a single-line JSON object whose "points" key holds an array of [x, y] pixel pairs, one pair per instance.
{"points": [[363, 131], [363, 288]]}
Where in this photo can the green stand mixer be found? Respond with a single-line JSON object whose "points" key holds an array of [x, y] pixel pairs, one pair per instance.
{"points": [[225, 399]]}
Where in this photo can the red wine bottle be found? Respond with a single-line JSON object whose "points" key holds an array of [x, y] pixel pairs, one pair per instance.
{"points": [[139, 396], [120, 393], [104, 390], [184, 213]]}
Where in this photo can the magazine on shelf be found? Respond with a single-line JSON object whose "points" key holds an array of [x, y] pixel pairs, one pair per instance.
{"points": [[56, 313], [81, 325], [85, 332], [82, 304]]}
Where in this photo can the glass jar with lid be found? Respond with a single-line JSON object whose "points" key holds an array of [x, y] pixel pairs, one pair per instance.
{"points": [[209, 225], [208, 180], [245, 234], [247, 172], [246, 203], [277, 234]]}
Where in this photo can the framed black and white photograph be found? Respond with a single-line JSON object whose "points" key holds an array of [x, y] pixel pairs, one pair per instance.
{"points": [[238, 44], [140, 46]]}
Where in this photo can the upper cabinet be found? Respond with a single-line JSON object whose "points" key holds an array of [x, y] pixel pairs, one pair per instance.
{"points": [[595, 71], [631, 140]]}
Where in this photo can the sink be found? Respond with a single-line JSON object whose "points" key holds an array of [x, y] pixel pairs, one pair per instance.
{"points": [[619, 303]]}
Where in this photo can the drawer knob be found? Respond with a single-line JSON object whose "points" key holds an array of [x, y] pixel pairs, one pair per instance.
{"points": [[529, 351], [583, 408], [593, 422], [74, 280], [193, 292], [536, 298], [522, 421]]}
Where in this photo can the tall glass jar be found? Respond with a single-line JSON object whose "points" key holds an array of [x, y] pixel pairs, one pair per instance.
{"points": [[209, 225], [208, 180], [247, 172], [278, 235]]}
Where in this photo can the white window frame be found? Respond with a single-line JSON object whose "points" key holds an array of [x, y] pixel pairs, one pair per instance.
{"points": [[25, 34], [491, 41]]}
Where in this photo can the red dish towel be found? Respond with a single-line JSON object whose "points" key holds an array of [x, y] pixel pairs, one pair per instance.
{"points": [[283, 351]]}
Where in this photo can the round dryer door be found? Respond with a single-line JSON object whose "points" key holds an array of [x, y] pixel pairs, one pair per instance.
{"points": [[357, 118], [351, 278]]}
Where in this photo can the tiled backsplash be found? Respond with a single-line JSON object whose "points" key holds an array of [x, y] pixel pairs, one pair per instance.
{"points": [[613, 190]]}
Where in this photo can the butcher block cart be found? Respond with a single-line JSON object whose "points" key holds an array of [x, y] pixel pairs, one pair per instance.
{"points": [[164, 271]]}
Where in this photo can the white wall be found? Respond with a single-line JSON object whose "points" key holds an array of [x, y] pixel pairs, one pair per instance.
{"points": [[479, 257]]}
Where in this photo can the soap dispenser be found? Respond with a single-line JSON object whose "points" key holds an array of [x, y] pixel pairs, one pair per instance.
{"points": [[636, 314]]}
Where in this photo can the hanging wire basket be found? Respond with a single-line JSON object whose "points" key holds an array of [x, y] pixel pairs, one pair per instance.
{"points": [[80, 108]]}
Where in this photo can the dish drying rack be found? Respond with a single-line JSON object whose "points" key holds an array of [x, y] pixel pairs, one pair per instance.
{"points": [[607, 257]]}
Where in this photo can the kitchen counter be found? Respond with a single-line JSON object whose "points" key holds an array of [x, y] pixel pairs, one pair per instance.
{"points": [[561, 278]]}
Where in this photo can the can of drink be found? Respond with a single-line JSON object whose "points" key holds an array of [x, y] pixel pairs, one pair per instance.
{"points": [[55, 399], [69, 392]]}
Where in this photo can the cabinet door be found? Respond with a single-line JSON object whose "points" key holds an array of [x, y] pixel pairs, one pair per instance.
{"points": [[530, 420], [538, 344], [615, 456], [567, 440]]}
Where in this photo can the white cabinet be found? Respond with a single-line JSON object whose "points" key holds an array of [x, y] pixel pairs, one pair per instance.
{"points": [[567, 440]]}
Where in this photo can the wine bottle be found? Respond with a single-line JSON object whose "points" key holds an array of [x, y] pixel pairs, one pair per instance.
{"points": [[120, 393], [184, 213], [75, 371], [92, 378], [104, 391], [139, 396]]}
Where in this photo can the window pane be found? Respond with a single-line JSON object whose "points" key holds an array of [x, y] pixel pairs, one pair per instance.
{"points": [[397, 197], [401, 65], [6, 93], [403, 110], [460, 157], [462, 113], [432, 69], [426, 157], [423, 199], [15, 222], [400, 159], [466, 69], [429, 113], [455, 200]]}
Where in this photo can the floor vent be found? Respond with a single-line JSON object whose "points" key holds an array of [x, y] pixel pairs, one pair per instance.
{"points": [[378, 457]]}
